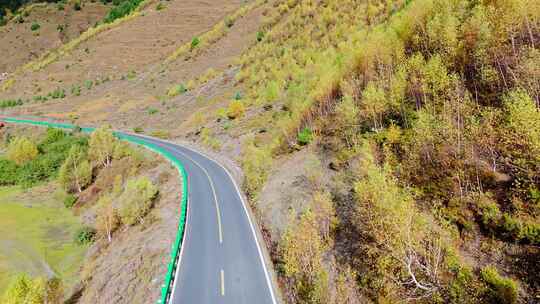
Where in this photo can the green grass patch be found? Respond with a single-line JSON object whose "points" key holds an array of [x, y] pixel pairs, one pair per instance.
{"points": [[37, 236]]}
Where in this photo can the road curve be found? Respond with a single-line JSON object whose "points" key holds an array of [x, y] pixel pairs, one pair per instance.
{"points": [[221, 259]]}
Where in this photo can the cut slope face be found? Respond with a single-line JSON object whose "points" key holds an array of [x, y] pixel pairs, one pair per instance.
{"points": [[19, 44]]}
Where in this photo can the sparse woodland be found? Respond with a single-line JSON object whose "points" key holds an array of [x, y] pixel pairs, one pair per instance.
{"points": [[428, 113], [424, 119]]}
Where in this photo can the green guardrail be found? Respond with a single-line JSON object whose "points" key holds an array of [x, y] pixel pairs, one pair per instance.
{"points": [[175, 251]]}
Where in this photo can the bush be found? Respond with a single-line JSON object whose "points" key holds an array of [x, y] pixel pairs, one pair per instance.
{"points": [[229, 22], [70, 200], [503, 290], [25, 290], [195, 42], [237, 96], [85, 235], [260, 36], [8, 172], [58, 94], [9, 103], [77, 5], [35, 26], [122, 8], [21, 150], [305, 136], [236, 109], [136, 200], [176, 90], [76, 90]]}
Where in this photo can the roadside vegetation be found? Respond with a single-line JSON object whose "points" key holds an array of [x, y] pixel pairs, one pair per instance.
{"points": [[94, 174], [428, 112]]}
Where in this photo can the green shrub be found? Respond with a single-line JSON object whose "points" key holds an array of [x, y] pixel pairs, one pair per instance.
{"points": [[8, 172], [70, 200], [58, 93], [160, 6], [85, 235], [176, 90], [305, 136], [9, 103], [136, 200], [131, 75], [195, 42], [88, 84], [152, 111], [77, 5], [229, 22], [503, 290], [35, 26], [76, 90], [2, 21], [138, 130], [237, 96], [260, 36], [122, 8]]}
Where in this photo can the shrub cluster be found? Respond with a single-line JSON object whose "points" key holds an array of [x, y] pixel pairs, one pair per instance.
{"points": [[27, 163], [121, 8]]}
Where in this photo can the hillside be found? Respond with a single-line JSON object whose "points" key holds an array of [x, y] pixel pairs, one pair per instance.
{"points": [[389, 149]]}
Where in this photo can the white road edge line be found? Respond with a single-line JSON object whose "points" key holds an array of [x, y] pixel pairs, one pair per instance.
{"points": [[222, 282], [218, 211], [267, 275], [181, 248], [268, 282]]}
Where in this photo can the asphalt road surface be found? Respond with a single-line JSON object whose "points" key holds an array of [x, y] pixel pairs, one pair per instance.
{"points": [[221, 259]]}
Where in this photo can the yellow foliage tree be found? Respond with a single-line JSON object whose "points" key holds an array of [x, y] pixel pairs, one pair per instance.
{"points": [[21, 150], [102, 144], [76, 171], [236, 109]]}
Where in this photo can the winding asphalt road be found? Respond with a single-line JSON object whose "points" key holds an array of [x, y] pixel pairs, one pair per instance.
{"points": [[221, 260]]}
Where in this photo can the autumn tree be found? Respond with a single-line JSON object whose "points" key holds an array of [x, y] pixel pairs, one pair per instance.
{"points": [[24, 290], [136, 200], [76, 171], [107, 220], [302, 251], [21, 150], [102, 144]]}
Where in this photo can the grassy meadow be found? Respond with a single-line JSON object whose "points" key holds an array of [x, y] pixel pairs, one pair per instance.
{"points": [[37, 235]]}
